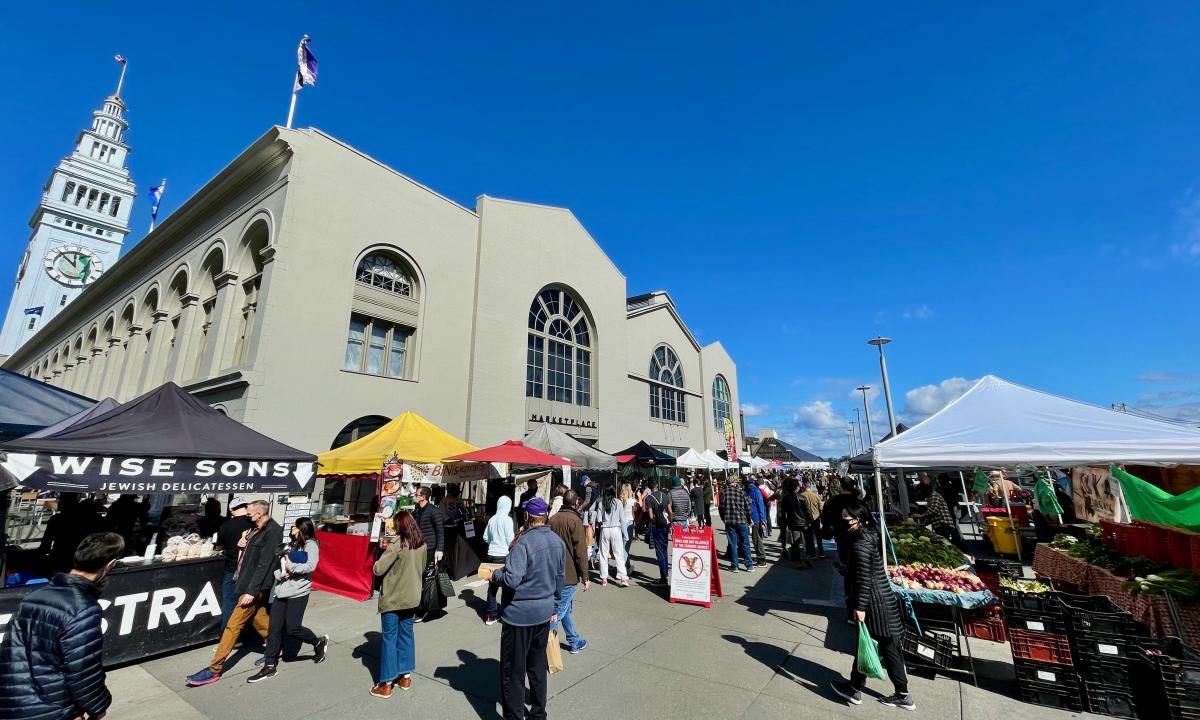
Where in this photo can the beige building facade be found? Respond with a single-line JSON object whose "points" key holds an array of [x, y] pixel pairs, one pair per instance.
{"points": [[312, 292]]}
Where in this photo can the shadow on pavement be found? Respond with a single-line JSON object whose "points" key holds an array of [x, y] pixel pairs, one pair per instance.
{"points": [[478, 679], [368, 654], [802, 671]]}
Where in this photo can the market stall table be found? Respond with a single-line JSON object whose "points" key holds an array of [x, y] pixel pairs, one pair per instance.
{"points": [[346, 565], [1152, 611]]}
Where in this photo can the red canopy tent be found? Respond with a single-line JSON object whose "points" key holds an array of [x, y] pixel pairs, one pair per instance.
{"points": [[514, 452]]}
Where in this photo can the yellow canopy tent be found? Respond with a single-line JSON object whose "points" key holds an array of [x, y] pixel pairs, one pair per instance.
{"points": [[410, 437]]}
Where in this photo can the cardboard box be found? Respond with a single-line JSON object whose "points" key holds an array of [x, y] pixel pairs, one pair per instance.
{"points": [[485, 568]]}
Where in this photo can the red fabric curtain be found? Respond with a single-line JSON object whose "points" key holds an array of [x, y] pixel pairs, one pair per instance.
{"points": [[345, 565]]}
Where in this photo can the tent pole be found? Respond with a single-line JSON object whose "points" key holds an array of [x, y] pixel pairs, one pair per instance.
{"points": [[1011, 519], [882, 518], [970, 509]]}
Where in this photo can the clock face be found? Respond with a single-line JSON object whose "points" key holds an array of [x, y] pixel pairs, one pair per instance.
{"points": [[73, 265]]}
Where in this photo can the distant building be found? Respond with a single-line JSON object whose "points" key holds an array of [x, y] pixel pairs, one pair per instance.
{"points": [[770, 447], [78, 229]]}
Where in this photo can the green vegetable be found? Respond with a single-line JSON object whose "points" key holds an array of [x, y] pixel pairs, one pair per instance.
{"points": [[915, 544], [1063, 542], [1026, 586], [1183, 584]]}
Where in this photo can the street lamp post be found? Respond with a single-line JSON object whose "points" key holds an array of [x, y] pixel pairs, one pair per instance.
{"points": [[858, 421], [867, 412], [879, 342], [853, 447]]}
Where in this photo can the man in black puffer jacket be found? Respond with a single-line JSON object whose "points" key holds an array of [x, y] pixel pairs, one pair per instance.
{"points": [[50, 659]]}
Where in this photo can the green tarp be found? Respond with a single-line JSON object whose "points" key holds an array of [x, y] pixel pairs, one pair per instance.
{"points": [[1152, 504], [1044, 498]]}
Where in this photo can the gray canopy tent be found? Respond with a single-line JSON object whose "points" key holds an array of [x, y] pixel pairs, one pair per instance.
{"points": [[556, 442]]}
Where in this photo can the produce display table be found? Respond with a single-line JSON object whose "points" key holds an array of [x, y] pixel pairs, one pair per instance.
{"points": [[345, 565], [150, 609], [1150, 610]]}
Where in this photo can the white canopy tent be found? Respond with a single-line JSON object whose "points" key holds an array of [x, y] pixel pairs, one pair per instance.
{"points": [[715, 461], [693, 460], [1001, 424]]}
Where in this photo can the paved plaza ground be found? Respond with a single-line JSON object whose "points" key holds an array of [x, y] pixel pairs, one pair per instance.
{"points": [[768, 649]]}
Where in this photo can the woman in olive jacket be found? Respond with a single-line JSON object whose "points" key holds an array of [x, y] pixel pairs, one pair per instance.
{"points": [[873, 602], [400, 566]]}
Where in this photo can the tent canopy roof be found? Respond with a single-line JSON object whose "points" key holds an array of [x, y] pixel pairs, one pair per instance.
{"points": [[409, 436], [27, 405], [716, 462], [998, 423], [105, 405], [556, 442], [643, 452], [515, 452], [166, 421], [694, 460]]}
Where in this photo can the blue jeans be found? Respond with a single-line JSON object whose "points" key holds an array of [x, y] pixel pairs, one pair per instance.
{"points": [[659, 538], [565, 606], [229, 597], [628, 541], [739, 544], [398, 651]]}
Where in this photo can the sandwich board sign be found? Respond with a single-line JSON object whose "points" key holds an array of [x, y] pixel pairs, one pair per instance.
{"points": [[695, 577]]}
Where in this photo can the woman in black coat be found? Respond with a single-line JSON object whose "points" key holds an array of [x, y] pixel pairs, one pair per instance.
{"points": [[872, 602]]}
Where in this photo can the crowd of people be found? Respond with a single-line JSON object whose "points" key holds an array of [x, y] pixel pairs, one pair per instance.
{"points": [[543, 554]]}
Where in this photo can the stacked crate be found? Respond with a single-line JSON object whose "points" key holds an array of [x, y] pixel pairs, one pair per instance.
{"points": [[1168, 680], [1041, 649], [1107, 644]]}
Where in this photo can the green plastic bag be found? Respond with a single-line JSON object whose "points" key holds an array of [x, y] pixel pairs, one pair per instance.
{"points": [[868, 655]]}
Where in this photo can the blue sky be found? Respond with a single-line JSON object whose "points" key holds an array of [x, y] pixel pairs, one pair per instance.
{"points": [[1011, 189]]}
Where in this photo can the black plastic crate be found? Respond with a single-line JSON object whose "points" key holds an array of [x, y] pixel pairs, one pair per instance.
{"points": [[931, 648], [1104, 647], [1052, 696], [1106, 700], [1032, 671], [1118, 624], [1175, 661], [1088, 603], [1114, 672], [1046, 604], [1035, 622]]}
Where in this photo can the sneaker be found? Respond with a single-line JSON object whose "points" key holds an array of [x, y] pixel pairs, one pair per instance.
{"points": [[733, 570], [604, 582], [750, 568], [489, 619], [623, 583], [382, 690], [267, 672], [662, 581], [576, 649], [204, 677], [904, 702], [417, 619], [322, 646], [846, 691]]}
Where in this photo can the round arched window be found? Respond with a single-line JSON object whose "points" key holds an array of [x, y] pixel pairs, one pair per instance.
{"points": [[722, 403], [558, 363]]}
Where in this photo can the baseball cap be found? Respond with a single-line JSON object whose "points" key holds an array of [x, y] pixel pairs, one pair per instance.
{"points": [[238, 501], [676, 482], [536, 506]]}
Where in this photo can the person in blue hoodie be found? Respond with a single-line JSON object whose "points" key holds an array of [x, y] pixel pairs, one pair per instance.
{"points": [[532, 578], [758, 518], [499, 535]]}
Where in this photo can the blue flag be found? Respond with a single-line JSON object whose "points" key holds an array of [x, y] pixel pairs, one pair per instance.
{"points": [[156, 194], [35, 310], [306, 70]]}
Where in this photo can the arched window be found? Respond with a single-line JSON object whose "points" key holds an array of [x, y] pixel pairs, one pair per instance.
{"points": [[380, 338], [356, 497], [667, 400], [722, 409], [379, 270], [558, 359]]}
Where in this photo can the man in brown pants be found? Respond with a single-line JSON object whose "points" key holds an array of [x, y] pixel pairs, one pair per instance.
{"points": [[254, 577]]}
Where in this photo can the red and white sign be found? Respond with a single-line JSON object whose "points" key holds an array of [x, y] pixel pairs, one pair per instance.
{"points": [[694, 574]]}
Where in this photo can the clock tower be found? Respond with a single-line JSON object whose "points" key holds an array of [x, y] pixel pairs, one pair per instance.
{"points": [[78, 227]]}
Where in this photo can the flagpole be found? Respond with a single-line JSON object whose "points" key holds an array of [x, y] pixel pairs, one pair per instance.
{"points": [[121, 81], [291, 110]]}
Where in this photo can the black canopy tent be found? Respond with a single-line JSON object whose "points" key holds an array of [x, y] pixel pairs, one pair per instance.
{"points": [[165, 441], [644, 453]]}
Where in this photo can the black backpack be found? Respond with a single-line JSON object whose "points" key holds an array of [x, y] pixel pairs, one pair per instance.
{"points": [[658, 510]]}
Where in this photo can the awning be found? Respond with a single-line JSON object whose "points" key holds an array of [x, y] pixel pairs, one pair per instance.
{"points": [[409, 437], [513, 452], [644, 453], [556, 442], [27, 405], [694, 460], [165, 441]]}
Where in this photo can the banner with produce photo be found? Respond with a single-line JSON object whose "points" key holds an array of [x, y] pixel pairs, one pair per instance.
{"points": [[1095, 493]]}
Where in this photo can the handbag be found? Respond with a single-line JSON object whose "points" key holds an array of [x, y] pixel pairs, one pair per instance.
{"points": [[432, 598], [868, 655], [445, 586]]}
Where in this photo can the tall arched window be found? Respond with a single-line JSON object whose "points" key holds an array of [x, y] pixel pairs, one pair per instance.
{"points": [[667, 401], [379, 340], [558, 361], [722, 410]]}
